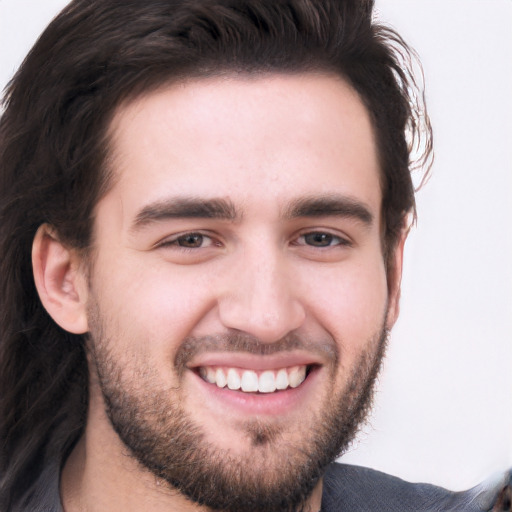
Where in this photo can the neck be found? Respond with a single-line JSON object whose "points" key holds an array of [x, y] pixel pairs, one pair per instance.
{"points": [[97, 478], [100, 475]]}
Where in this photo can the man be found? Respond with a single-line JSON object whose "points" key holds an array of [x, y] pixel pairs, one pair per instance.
{"points": [[203, 213]]}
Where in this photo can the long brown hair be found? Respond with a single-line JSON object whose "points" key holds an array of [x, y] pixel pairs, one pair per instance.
{"points": [[54, 159]]}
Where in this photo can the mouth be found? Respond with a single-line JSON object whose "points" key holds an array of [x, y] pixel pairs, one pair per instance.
{"points": [[255, 381], [244, 385]]}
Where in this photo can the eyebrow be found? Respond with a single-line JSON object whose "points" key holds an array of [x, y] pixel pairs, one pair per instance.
{"points": [[224, 209], [329, 205], [185, 208]]}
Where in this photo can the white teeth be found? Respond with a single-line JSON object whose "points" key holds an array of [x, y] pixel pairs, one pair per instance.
{"points": [[267, 382], [248, 381], [220, 378], [210, 375], [234, 381], [282, 379], [296, 376]]}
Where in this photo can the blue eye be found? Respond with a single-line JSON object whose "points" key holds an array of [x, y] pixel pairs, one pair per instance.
{"points": [[189, 241], [319, 239]]}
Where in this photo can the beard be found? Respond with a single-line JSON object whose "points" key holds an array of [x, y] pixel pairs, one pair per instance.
{"points": [[279, 473]]}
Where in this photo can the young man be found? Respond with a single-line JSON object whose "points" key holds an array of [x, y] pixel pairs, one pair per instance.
{"points": [[203, 213]]}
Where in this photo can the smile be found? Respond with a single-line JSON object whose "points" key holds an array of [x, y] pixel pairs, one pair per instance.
{"points": [[251, 381]]}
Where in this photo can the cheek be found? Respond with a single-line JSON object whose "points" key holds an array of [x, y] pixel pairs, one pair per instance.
{"points": [[149, 308], [351, 305]]}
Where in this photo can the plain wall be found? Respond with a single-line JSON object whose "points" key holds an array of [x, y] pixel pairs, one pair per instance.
{"points": [[443, 412]]}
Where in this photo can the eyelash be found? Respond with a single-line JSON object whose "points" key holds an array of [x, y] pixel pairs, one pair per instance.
{"points": [[175, 241], [340, 241], [299, 241]]}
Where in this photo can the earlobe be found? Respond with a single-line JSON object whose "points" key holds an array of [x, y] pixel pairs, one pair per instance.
{"points": [[395, 267], [61, 284]]}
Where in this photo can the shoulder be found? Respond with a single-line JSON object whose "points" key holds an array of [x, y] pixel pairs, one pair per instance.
{"points": [[356, 488]]}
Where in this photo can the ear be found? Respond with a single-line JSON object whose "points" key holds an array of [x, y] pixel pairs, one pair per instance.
{"points": [[394, 275], [60, 281]]}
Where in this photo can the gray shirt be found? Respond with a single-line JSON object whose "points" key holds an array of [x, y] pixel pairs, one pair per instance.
{"points": [[346, 488]]}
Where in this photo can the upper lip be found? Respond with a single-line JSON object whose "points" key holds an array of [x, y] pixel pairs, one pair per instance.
{"points": [[254, 362]]}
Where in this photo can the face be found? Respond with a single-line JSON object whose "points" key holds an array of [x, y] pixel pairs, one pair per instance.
{"points": [[238, 296]]}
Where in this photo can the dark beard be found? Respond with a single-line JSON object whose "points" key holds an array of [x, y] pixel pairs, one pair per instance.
{"points": [[277, 476]]}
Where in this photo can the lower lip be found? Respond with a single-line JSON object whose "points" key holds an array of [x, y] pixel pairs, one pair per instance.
{"points": [[269, 404]]}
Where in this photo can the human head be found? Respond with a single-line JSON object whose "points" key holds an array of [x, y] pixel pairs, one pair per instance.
{"points": [[99, 55]]}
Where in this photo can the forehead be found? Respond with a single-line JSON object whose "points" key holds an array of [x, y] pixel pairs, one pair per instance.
{"points": [[252, 140]]}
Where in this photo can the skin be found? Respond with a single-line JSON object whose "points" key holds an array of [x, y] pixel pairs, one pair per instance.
{"points": [[264, 144]]}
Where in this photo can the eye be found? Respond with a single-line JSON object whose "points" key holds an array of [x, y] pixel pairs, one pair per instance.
{"points": [[189, 241], [321, 239]]}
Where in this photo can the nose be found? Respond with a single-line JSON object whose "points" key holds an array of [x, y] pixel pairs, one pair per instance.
{"points": [[262, 298]]}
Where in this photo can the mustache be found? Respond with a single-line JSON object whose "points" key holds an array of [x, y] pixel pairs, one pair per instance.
{"points": [[193, 346]]}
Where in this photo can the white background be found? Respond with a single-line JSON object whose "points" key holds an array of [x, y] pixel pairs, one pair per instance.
{"points": [[443, 412]]}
